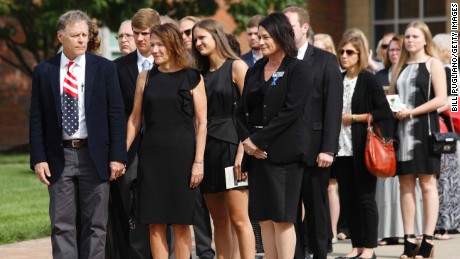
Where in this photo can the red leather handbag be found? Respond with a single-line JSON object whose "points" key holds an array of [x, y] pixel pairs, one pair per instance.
{"points": [[379, 154]]}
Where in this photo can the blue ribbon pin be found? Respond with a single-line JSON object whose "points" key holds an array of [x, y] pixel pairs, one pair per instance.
{"points": [[276, 76]]}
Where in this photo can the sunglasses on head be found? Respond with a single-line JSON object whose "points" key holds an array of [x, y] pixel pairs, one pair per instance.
{"points": [[384, 46], [349, 52], [187, 32]]}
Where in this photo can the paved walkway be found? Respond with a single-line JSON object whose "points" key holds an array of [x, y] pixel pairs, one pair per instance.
{"points": [[41, 249]]}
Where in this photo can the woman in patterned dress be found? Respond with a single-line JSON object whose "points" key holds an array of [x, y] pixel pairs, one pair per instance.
{"points": [[411, 81]]}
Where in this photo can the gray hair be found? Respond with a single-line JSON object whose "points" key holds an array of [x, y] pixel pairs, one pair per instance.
{"points": [[442, 41], [71, 17]]}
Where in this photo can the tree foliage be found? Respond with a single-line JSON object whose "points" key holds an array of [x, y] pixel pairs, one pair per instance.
{"points": [[37, 20], [180, 8], [242, 10]]}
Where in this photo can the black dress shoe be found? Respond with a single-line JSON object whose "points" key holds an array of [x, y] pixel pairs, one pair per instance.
{"points": [[374, 256], [346, 257]]}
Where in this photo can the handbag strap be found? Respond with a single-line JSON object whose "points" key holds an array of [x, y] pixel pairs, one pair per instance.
{"points": [[429, 92], [371, 125]]}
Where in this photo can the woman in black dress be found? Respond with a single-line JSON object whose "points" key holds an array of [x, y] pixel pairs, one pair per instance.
{"points": [[418, 65], [171, 100], [363, 96], [270, 124], [223, 73]]}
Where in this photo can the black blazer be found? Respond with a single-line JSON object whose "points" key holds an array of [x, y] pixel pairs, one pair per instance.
{"points": [[127, 74], [323, 111], [368, 97], [283, 135], [105, 119], [248, 58]]}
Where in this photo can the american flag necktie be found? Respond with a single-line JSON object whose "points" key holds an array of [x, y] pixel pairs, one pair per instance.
{"points": [[70, 101]]}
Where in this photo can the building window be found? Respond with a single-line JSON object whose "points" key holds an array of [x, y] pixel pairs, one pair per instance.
{"points": [[395, 15]]}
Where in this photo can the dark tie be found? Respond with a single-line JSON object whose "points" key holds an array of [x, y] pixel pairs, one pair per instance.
{"points": [[70, 101]]}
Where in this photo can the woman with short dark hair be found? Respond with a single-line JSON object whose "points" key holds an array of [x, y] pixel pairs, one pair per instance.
{"points": [[269, 118]]}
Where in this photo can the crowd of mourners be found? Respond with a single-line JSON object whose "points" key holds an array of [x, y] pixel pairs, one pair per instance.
{"points": [[183, 128]]}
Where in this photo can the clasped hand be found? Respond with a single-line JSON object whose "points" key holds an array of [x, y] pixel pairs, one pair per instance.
{"points": [[402, 114], [253, 150], [117, 169]]}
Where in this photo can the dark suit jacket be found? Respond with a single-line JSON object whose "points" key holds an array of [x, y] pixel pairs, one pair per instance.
{"points": [[248, 58], [127, 74], [323, 111], [283, 135], [105, 120]]}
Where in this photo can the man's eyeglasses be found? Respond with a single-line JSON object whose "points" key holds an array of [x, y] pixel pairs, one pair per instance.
{"points": [[349, 52], [384, 46], [187, 32], [121, 36]]}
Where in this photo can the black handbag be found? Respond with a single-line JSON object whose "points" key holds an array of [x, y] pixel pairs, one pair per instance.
{"points": [[444, 143], [441, 142]]}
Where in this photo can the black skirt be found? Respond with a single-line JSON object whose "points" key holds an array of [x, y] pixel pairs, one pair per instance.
{"points": [[274, 190]]}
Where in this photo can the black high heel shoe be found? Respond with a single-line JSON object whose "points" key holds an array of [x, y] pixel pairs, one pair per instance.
{"points": [[426, 250], [410, 249]]}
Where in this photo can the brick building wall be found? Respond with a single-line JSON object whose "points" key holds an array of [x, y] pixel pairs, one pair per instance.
{"points": [[15, 89], [327, 16]]}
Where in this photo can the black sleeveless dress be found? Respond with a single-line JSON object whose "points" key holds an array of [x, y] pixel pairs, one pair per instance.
{"points": [[167, 148], [222, 139], [413, 155]]}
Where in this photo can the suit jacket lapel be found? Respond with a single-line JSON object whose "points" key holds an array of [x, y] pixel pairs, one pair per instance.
{"points": [[132, 68], [54, 69], [90, 75], [309, 54]]}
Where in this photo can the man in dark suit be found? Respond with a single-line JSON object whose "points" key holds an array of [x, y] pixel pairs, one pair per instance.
{"points": [[323, 120], [77, 139], [252, 29], [129, 66]]}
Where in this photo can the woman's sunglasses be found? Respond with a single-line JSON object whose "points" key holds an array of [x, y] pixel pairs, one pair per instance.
{"points": [[349, 52], [187, 32]]}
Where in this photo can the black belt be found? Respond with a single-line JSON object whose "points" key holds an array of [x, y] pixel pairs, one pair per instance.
{"points": [[75, 143]]}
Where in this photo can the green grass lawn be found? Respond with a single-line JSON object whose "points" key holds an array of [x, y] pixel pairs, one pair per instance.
{"points": [[23, 201]]}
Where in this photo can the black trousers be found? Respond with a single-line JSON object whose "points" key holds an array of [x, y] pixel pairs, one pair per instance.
{"points": [[357, 197], [126, 242], [315, 231]]}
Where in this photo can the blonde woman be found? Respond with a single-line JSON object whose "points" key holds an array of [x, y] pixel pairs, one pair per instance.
{"points": [[324, 41], [411, 81]]}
